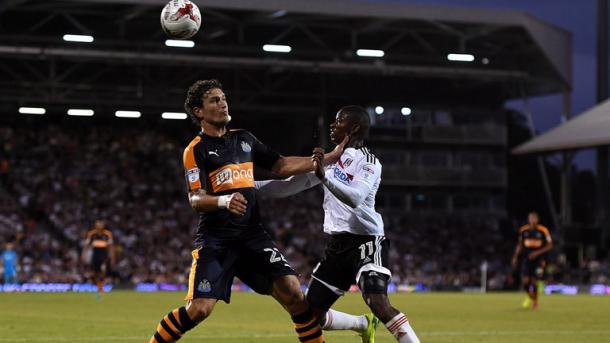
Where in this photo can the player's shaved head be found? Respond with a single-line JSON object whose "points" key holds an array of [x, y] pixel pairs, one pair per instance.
{"points": [[359, 116]]}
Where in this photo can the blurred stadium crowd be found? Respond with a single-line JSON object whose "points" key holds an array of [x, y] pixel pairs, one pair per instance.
{"points": [[56, 181]]}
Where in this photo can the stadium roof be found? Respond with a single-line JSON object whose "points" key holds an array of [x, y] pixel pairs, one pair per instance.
{"points": [[128, 64], [589, 129]]}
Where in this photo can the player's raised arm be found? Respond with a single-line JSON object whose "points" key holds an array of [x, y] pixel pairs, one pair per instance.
{"points": [[354, 193], [287, 166], [286, 187]]}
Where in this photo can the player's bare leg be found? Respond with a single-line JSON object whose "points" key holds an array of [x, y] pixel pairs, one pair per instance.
{"points": [[530, 288], [374, 287], [287, 291], [534, 292], [176, 323], [396, 321]]}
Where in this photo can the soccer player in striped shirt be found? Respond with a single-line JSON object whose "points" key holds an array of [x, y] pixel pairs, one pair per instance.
{"points": [[230, 240], [533, 245]]}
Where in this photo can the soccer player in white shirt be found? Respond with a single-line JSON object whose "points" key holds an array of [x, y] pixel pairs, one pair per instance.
{"points": [[358, 249]]}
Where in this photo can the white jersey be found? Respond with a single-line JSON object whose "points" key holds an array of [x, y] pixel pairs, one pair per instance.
{"points": [[359, 168]]}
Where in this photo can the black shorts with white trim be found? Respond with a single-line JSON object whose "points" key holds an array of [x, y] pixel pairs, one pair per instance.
{"points": [[348, 256]]}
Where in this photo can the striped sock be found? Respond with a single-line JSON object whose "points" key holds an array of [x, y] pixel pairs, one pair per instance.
{"points": [[173, 326], [307, 328], [400, 328]]}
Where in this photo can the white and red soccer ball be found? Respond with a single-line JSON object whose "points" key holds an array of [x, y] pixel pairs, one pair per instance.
{"points": [[180, 19]]}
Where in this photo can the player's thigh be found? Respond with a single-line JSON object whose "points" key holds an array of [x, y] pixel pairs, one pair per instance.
{"points": [[248, 272], [212, 271], [263, 258]]}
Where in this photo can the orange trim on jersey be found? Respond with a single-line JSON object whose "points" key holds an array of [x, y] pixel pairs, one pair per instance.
{"points": [[546, 232], [189, 294], [532, 243], [232, 176], [98, 243], [190, 165]]}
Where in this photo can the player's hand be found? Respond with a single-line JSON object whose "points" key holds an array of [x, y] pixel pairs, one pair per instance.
{"points": [[238, 204], [334, 155], [513, 262], [318, 162]]}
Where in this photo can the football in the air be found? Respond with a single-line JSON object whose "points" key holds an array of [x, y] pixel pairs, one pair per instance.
{"points": [[180, 19]]}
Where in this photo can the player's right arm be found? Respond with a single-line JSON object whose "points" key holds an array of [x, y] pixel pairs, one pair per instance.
{"points": [[199, 200], [517, 252], [286, 187], [86, 246]]}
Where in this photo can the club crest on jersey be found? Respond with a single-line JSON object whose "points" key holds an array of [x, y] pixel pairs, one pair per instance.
{"points": [[246, 147], [343, 177], [347, 162], [368, 171], [192, 174], [204, 286]]}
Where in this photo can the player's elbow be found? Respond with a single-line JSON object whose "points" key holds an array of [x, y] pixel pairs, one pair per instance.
{"points": [[281, 168], [353, 202]]}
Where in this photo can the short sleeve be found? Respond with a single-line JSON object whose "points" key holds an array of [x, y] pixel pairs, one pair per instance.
{"points": [[193, 166], [263, 156], [547, 234]]}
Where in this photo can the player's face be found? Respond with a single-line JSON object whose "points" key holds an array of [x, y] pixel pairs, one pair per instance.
{"points": [[532, 219], [215, 109], [99, 224], [342, 126]]}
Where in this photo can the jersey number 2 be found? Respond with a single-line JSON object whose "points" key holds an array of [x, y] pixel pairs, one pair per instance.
{"points": [[276, 255]]}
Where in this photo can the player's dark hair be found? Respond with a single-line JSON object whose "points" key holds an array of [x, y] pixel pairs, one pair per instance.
{"points": [[362, 118], [194, 96]]}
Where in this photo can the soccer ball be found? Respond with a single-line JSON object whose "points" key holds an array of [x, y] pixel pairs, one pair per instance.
{"points": [[180, 19]]}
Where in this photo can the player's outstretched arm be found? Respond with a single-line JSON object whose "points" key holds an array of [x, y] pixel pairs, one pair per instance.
{"points": [[354, 193], [286, 187], [294, 165], [235, 203]]}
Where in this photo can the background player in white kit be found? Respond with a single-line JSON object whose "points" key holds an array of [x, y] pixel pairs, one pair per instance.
{"points": [[358, 249]]}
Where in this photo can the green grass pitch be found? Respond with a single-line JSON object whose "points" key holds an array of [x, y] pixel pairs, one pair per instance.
{"points": [[436, 317]]}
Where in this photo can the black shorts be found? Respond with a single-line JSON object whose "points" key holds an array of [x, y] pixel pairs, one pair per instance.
{"points": [[99, 260], [533, 268], [347, 256], [253, 257]]}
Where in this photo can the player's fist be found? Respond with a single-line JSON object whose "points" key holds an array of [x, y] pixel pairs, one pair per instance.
{"points": [[318, 162], [237, 204]]}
